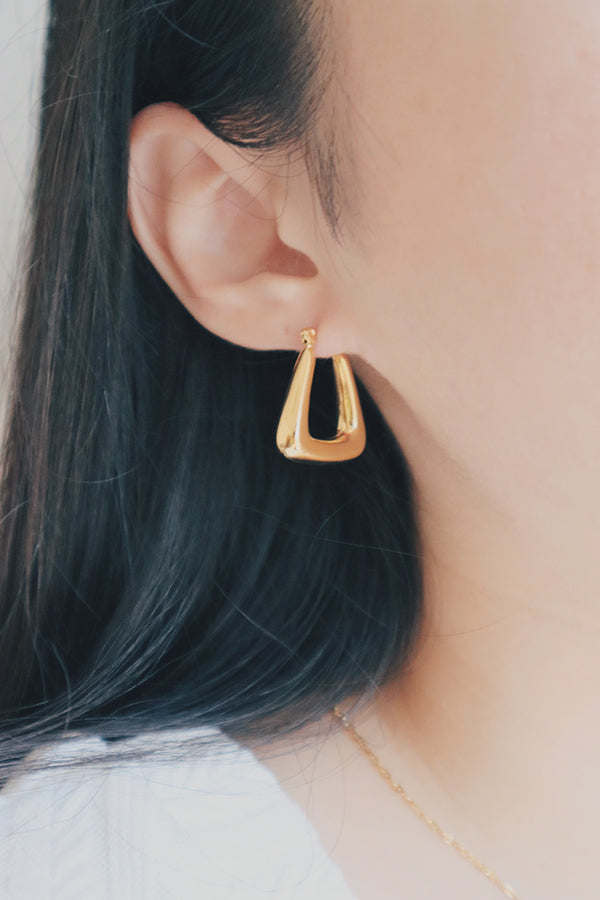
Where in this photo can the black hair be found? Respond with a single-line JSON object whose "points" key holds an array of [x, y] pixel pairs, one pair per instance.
{"points": [[162, 564]]}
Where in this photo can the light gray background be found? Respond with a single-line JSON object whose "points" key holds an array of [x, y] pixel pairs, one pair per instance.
{"points": [[22, 28]]}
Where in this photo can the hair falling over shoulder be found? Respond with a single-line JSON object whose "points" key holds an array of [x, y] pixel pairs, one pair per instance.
{"points": [[162, 565]]}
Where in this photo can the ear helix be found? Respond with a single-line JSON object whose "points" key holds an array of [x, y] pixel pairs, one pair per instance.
{"points": [[293, 436]]}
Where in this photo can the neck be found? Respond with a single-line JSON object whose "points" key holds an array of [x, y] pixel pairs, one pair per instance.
{"points": [[496, 715]]}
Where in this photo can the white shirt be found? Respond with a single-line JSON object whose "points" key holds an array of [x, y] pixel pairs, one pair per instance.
{"points": [[211, 825]]}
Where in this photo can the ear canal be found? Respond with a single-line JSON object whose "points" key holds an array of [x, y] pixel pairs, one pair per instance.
{"points": [[293, 435]]}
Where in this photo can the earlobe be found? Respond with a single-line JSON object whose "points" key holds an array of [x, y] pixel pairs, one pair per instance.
{"points": [[208, 218]]}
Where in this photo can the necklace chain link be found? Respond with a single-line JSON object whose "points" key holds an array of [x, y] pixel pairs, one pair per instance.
{"points": [[448, 839]]}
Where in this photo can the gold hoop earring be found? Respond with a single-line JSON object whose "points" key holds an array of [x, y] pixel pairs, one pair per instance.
{"points": [[293, 436]]}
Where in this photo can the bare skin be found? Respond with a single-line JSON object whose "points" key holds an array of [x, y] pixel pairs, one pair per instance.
{"points": [[469, 300]]}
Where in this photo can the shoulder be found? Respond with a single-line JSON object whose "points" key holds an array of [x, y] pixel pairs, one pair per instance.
{"points": [[197, 816]]}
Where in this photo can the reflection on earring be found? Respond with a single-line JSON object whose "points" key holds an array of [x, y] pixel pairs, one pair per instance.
{"points": [[293, 437]]}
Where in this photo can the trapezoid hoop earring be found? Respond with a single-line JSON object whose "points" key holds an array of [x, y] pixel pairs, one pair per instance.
{"points": [[293, 436]]}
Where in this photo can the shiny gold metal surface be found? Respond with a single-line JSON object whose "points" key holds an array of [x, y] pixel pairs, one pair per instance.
{"points": [[293, 437]]}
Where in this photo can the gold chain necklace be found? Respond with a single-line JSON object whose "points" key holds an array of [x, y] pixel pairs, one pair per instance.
{"points": [[506, 889]]}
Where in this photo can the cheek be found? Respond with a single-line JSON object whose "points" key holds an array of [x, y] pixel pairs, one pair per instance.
{"points": [[478, 136]]}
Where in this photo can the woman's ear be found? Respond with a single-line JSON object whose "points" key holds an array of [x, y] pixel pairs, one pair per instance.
{"points": [[212, 222]]}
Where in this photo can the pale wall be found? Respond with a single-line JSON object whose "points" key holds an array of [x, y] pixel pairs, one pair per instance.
{"points": [[22, 25]]}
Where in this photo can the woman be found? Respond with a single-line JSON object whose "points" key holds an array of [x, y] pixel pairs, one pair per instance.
{"points": [[418, 183]]}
